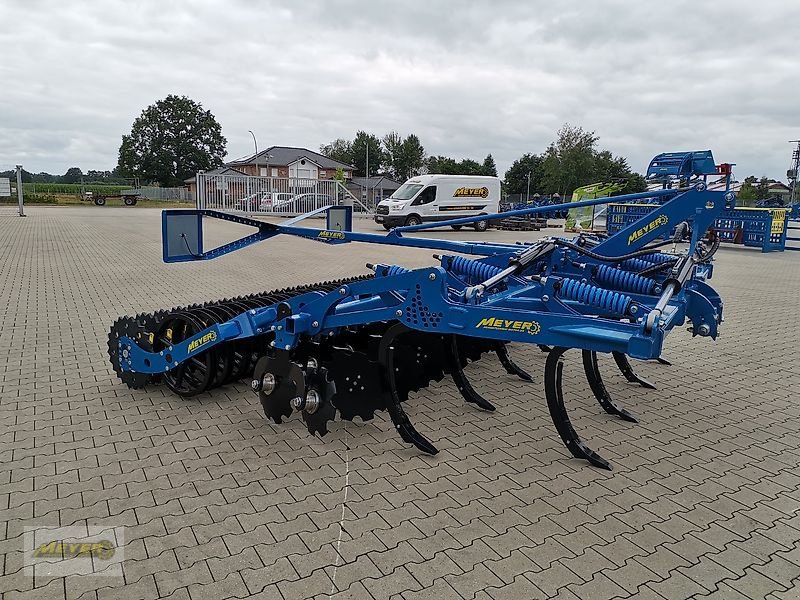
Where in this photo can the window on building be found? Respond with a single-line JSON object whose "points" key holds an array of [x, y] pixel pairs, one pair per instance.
{"points": [[274, 172]]}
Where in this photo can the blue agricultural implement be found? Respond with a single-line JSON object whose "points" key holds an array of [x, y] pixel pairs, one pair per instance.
{"points": [[365, 344]]}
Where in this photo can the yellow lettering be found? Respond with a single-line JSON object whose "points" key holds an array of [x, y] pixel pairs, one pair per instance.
{"points": [[49, 549]]}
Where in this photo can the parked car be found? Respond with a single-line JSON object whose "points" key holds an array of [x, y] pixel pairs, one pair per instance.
{"points": [[254, 202], [279, 198], [304, 202], [770, 203]]}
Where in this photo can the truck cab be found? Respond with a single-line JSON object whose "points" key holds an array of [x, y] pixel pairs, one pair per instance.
{"points": [[428, 198]]}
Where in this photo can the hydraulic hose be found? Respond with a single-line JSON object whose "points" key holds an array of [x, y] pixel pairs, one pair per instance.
{"points": [[644, 251]]}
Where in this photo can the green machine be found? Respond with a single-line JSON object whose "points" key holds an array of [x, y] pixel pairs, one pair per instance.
{"points": [[591, 218]]}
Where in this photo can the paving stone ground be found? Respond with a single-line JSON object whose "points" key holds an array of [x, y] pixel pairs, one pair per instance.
{"points": [[218, 503]]}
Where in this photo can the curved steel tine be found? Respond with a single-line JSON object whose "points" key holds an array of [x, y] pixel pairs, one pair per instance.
{"points": [[627, 370], [509, 365], [558, 411], [544, 348], [460, 378], [399, 418], [664, 361], [599, 390]]}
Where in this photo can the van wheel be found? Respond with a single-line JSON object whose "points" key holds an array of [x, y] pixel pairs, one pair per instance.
{"points": [[413, 220], [481, 225], [456, 227], [387, 227]]}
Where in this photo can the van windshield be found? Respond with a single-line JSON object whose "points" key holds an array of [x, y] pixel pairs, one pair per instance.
{"points": [[406, 191]]}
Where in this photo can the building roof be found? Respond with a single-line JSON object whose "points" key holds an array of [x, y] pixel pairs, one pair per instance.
{"points": [[285, 155], [380, 182], [218, 171], [779, 185]]}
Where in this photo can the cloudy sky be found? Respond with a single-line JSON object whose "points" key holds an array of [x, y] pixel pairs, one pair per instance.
{"points": [[468, 77]]}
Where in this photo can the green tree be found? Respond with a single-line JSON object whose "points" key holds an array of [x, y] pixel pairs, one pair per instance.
{"points": [[762, 189], [442, 165], [445, 165], [392, 147], [748, 193], [362, 141], [73, 175], [470, 167], [489, 167], [170, 141], [634, 183], [569, 160], [27, 177], [516, 178], [339, 149], [411, 158]]}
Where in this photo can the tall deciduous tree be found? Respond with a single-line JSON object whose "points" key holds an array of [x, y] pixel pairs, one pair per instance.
{"points": [[171, 140], [362, 141], [339, 149], [748, 192], [569, 160], [392, 146], [443, 165], [73, 175], [516, 178], [411, 160]]}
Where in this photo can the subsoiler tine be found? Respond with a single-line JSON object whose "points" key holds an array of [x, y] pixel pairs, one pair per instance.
{"points": [[664, 361], [460, 378], [627, 370], [399, 418], [509, 365], [595, 380], [558, 412]]}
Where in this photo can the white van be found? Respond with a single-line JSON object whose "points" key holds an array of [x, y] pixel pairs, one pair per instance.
{"points": [[429, 198]]}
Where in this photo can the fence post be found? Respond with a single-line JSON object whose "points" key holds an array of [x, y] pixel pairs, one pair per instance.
{"points": [[19, 191], [198, 199]]}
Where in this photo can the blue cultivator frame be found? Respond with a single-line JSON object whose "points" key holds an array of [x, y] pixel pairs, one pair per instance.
{"points": [[612, 294]]}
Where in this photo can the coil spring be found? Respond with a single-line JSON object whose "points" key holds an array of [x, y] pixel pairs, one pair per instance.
{"points": [[613, 302], [474, 270], [395, 270], [623, 280], [635, 264], [658, 257], [645, 262]]}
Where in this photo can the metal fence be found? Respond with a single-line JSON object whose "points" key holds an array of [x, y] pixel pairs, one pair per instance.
{"points": [[167, 194], [272, 195], [7, 192]]}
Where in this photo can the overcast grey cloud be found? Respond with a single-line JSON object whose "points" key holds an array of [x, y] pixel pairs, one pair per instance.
{"points": [[467, 77]]}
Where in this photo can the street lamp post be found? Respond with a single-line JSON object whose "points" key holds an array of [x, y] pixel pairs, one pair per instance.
{"points": [[528, 195], [255, 143]]}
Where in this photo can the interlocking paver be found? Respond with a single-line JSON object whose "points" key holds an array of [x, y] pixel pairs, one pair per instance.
{"points": [[704, 497]]}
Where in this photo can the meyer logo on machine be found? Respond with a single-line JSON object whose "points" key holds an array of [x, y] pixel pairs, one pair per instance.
{"points": [[468, 192], [211, 336], [652, 225], [331, 235], [496, 324]]}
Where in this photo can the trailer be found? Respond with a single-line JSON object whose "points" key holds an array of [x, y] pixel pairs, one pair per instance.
{"points": [[128, 197]]}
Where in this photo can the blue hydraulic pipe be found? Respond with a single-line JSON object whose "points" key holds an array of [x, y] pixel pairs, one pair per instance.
{"points": [[539, 209]]}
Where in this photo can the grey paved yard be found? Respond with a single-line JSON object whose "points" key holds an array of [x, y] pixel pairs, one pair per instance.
{"points": [[218, 503]]}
